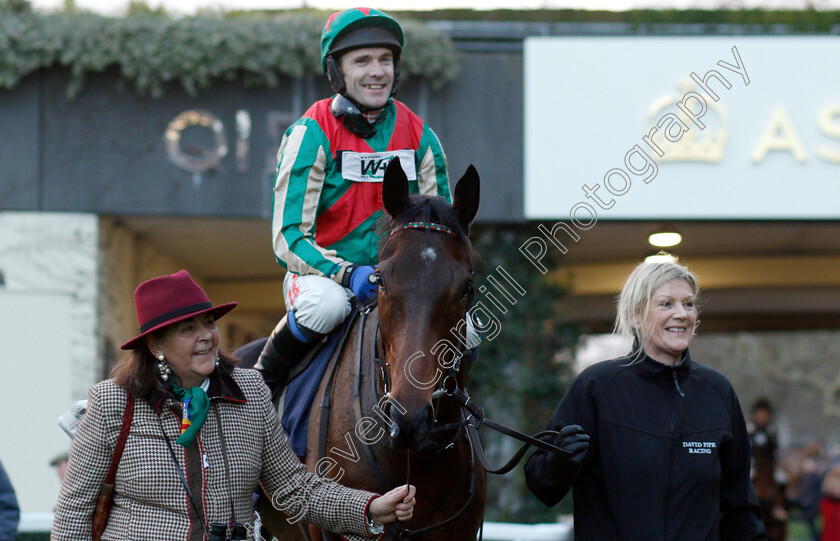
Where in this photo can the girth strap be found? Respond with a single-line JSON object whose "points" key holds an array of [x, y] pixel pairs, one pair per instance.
{"points": [[323, 426]]}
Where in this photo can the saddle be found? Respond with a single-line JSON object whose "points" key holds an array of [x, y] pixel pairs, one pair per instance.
{"points": [[304, 383]]}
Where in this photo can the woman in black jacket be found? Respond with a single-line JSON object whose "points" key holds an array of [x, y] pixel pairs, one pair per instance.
{"points": [[658, 444]]}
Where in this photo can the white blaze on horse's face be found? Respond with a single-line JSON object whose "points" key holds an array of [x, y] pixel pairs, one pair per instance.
{"points": [[428, 255]]}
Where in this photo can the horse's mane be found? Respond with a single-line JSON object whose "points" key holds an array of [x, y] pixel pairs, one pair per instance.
{"points": [[426, 208]]}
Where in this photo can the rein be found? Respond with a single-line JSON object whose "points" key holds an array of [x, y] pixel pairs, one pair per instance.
{"points": [[477, 414], [472, 417]]}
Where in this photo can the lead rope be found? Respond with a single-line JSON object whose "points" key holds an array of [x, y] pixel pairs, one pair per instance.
{"points": [[397, 530], [407, 468], [407, 475]]}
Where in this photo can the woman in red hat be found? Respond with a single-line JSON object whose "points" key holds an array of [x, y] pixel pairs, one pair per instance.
{"points": [[202, 435]]}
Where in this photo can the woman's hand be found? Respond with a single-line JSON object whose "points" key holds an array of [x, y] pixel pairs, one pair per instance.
{"points": [[398, 504]]}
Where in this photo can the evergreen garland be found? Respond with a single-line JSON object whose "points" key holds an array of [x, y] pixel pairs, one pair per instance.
{"points": [[149, 50]]}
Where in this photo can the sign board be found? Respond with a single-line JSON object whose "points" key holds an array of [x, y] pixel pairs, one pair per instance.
{"points": [[717, 127]]}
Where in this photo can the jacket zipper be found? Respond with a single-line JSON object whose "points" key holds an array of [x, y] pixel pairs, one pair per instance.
{"points": [[672, 430], [676, 381], [673, 427]]}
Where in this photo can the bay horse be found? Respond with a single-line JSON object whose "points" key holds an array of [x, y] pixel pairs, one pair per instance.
{"points": [[388, 421], [769, 493]]}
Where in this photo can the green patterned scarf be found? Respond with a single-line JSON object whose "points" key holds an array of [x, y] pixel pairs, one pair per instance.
{"points": [[197, 404]]}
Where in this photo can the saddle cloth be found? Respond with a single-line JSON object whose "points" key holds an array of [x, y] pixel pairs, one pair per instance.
{"points": [[301, 392]]}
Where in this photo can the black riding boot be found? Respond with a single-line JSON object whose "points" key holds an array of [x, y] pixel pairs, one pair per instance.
{"points": [[282, 352]]}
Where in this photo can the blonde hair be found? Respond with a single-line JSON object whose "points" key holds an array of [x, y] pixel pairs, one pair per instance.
{"points": [[637, 293]]}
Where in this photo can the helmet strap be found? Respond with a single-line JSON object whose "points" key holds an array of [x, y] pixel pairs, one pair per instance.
{"points": [[397, 65], [334, 75]]}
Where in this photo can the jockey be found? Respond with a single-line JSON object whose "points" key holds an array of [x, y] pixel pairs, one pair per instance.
{"points": [[328, 188]]}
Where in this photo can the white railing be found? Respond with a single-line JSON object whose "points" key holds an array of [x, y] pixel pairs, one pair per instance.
{"points": [[35, 522], [503, 531], [493, 531]]}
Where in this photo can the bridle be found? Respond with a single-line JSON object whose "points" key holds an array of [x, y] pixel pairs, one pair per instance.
{"points": [[430, 226], [382, 375], [449, 378], [471, 416]]}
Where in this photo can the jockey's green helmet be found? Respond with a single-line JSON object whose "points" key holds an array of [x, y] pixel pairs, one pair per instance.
{"points": [[359, 27], [355, 28]]}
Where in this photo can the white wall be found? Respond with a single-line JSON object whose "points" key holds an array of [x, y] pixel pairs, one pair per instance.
{"points": [[36, 333], [48, 337]]}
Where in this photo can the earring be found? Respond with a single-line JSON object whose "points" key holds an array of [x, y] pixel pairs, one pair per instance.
{"points": [[217, 358], [163, 367]]}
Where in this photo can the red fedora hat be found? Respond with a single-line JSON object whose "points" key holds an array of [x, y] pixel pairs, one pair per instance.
{"points": [[169, 299]]}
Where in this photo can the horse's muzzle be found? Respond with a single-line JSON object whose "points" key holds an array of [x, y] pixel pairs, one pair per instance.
{"points": [[411, 432]]}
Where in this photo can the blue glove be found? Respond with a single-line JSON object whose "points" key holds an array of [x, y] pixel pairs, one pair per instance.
{"points": [[360, 283]]}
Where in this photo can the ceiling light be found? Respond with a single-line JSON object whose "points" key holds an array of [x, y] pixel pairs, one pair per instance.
{"points": [[665, 239]]}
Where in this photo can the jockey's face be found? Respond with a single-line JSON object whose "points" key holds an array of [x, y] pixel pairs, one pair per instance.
{"points": [[369, 75]]}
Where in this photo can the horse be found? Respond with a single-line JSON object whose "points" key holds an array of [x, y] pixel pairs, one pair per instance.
{"points": [[769, 493], [389, 420]]}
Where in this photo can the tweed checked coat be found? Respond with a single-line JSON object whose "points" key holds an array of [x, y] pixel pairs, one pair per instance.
{"points": [[151, 503]]}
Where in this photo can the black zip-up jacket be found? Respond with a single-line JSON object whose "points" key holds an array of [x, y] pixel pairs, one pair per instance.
{"points": [[668, 459]]}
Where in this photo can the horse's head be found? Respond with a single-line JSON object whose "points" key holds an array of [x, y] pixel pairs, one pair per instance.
{"points": [[425, 278]]}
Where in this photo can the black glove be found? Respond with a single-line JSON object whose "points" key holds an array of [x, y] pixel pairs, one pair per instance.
{"points": [[575, 441]]}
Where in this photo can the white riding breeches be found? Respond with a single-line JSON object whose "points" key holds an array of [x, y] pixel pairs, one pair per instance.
{"points": [[321, 305]]}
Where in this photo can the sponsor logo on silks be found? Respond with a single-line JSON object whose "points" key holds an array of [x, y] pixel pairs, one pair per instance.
{"points": [[699, 447], [361, 167]]}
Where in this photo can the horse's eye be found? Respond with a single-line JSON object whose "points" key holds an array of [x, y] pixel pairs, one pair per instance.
{"points": [[376, 278], [467, 290]]}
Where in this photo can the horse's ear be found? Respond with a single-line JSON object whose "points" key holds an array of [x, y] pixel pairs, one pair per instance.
{"points": [[395, 188], [467, 195]]}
